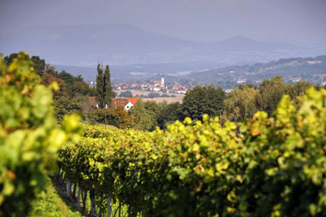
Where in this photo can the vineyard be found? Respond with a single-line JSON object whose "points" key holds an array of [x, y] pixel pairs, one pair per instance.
{"points": [[263, 167], [266, 166]]}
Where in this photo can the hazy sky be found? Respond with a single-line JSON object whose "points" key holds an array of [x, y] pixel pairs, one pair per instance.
{"points": [[202, 20]]}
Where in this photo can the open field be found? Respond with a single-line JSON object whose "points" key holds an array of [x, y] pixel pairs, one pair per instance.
{"points": [[177, 98]]}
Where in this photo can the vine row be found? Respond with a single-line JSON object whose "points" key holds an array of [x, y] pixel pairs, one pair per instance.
{"points": [[267, 166]]}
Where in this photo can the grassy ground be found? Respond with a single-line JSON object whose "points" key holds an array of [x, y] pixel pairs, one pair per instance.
{"points": [[54, 204]]}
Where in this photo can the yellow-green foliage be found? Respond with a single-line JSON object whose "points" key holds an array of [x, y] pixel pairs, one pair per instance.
{"points": [[264, 167], [29, 135]]}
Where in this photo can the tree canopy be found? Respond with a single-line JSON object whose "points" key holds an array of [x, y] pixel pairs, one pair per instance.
{"points": [[202, 100], [240, 105], [270, 93]]}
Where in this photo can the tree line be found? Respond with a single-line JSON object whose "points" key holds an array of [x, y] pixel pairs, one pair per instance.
{"points": [[243, 101], [239, 105]]}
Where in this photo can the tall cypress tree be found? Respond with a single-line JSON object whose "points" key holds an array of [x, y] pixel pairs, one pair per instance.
{"points": [[108, 92], [100, 87]]}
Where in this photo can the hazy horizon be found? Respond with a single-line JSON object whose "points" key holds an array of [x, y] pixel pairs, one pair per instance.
{"points": [[296, 21], [83, 32]]}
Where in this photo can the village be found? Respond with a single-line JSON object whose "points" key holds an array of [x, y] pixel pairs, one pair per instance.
{"points": [[153, 86], [128, 94]]}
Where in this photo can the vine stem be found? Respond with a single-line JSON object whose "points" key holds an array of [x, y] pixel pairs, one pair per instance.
{"points": [[78, 197], [93, 205], [109, 206], [69, 188]]}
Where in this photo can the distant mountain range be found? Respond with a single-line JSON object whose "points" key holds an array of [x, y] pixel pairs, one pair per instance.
{"points": [[86, 45]]}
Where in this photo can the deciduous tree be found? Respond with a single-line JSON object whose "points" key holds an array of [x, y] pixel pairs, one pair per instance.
{"points": [[270, 93], [240, 104], [202, 100]]}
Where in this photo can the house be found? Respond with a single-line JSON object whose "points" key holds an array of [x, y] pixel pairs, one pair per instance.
{"points": [[181, 91], [156, 89], [295, 80], [241, 81], [133, 100], [178, 89], [125, 103], [124, 87], [157, 83], [92, 102]]}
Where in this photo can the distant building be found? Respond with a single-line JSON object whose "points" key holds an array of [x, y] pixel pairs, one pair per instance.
{"points": [[133, 100], [125, 103], [178, 89], [92, 84], [160, 83], [227, 90], [93, 102], [295, 80], [241, 81], [157, 83]]}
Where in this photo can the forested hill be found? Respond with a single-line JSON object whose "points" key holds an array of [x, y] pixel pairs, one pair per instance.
{"points": [[311, 69]]}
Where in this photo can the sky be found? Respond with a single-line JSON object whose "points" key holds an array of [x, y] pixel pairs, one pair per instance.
{"points": [[297, 21]]}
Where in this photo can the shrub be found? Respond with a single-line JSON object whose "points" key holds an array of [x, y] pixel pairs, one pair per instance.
{"points": [[29, 135]]}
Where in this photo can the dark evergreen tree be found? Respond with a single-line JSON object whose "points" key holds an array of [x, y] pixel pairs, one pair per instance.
{"points": [[108, 92], [100, 87], [39, 65]]}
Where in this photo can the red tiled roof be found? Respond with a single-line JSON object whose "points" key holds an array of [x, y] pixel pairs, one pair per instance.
{"points": [[120, 102], [133, 100], [92, 101]]}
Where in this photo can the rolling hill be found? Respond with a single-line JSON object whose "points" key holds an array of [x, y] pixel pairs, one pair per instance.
{"points": [[311, 69]]}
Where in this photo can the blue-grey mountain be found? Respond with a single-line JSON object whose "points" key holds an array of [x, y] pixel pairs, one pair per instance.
{"points": [[86, 45]]}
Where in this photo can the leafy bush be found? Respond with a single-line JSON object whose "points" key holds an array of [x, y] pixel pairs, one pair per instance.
{"points": [[125, 94], [165, 95], [153, 95], [117, 117], [29, 135]]}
